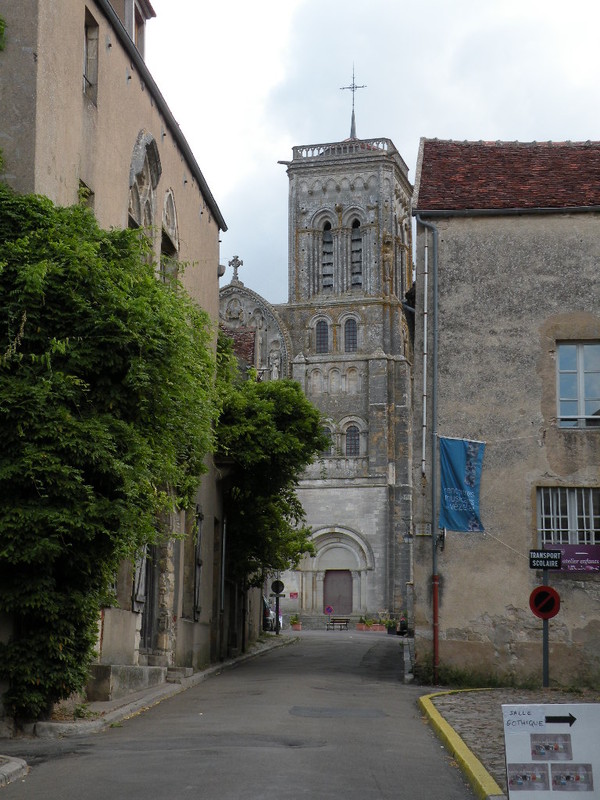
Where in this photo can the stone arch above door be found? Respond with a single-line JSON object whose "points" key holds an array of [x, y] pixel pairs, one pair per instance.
{"points": [[339, 548], [336, 549]]}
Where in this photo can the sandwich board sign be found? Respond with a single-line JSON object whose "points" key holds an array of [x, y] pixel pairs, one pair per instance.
{"points": [[552, 750]]}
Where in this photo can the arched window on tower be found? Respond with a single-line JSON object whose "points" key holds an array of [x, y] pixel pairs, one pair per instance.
{"points": [[329, 446], [357, 254], [322, 337], [352, 441], [327, 257], [350, 336]]}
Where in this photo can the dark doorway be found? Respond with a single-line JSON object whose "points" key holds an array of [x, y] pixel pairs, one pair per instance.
{"points": [[337, 591], [150, 601]]}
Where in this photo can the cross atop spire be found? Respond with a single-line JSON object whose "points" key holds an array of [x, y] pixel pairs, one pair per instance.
{"points": [[353, 88]]}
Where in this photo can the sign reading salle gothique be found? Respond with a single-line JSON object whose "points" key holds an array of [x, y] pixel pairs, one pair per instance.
{"points": [[552, 750]]}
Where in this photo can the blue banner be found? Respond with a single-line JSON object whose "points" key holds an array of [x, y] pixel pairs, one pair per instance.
{"points": [[460, 477]]}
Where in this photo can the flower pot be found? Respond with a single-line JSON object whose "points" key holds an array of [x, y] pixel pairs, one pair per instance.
{"points": [[296, 626]]}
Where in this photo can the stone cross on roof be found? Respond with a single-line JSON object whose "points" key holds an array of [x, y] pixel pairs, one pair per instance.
{"points": [[236, 263]]}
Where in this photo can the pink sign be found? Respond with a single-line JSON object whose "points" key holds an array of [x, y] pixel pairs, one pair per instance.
{"points": [[579, 557]]}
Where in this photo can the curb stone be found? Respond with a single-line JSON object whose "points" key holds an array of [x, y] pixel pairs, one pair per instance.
{"points": [[11, 769], [482, 783]]}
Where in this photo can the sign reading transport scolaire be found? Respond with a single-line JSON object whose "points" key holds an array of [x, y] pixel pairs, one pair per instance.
{"points": [[545, 559], [552, 749]]}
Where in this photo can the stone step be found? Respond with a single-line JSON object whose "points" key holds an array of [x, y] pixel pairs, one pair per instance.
{"points": [[177, 674]]}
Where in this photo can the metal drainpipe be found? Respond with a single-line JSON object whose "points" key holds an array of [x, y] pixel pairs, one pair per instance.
{"points": [[435, 581]]}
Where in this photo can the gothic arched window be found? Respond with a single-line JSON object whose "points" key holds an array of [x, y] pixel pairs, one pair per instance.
{"points": [[322, 337], [352, 441], [357, 254], [144, 174], [327, 449], [169, 245], [327, 257], [350, 336]]}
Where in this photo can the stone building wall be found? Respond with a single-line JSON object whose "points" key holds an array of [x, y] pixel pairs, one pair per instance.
{"points": [[510, 288], [82, 119]]}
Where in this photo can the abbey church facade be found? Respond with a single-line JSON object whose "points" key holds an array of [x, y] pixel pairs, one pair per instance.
{"points": [[345, 336]]}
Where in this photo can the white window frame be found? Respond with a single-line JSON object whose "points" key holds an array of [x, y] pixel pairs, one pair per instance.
{"points": [[568, 515], [584, 394]]}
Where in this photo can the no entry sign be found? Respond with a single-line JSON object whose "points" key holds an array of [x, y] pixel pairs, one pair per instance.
{"points": [[544, 601]]}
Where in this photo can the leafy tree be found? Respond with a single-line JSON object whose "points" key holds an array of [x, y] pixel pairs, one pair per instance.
{"points": [[268, 433], [106, 412]]}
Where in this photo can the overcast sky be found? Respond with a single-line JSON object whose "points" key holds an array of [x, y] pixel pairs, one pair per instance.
{"points": [[248, 81]]}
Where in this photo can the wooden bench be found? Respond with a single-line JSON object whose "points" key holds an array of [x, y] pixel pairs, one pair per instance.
{"points": [[341, 622]]}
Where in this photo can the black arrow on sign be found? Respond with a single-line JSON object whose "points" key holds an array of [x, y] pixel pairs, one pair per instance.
{"points": [[562, 720]]}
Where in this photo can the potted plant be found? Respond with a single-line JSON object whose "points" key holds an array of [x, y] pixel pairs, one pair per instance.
{"points": [[390, 626], [402, 629], [361, 625], [295, 623]]}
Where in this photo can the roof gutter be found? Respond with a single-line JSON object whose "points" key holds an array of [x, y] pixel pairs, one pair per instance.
{"points": [[434, 391], [502, 212], [140, 64]]}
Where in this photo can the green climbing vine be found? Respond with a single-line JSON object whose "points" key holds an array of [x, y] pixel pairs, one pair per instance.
{"points": [[106, 414]]}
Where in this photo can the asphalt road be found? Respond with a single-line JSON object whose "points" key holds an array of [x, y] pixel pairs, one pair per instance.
{"points": [[325, 718]]}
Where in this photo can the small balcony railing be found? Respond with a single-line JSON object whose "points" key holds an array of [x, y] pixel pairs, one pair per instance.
{"points": [[347, 148]]}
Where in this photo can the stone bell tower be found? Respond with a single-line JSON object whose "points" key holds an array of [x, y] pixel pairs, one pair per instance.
{"points": [[350, 267]]}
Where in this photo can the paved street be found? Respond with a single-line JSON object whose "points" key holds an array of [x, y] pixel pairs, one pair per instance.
{"points": [[326, 717]]}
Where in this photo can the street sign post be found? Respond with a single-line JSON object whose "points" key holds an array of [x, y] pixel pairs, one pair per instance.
{"points": [[277, 588]]}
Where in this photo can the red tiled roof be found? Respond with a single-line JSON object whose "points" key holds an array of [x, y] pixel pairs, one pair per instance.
{"points": [[457, 176]]}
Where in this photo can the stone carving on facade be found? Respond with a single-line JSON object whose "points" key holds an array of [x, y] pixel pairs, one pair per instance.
{"points": [[234, 313], [241, 308], [275, 360], [257, 322]]}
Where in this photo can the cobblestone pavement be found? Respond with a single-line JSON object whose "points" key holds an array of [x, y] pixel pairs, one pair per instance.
{"points": [[477, 718]]}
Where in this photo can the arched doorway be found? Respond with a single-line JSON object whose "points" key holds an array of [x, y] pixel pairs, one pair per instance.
{"points": [[336, 575], [337, 590]]}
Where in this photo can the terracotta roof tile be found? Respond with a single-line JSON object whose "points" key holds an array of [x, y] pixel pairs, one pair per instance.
{"points": [[243, 343], [501, 175]]}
